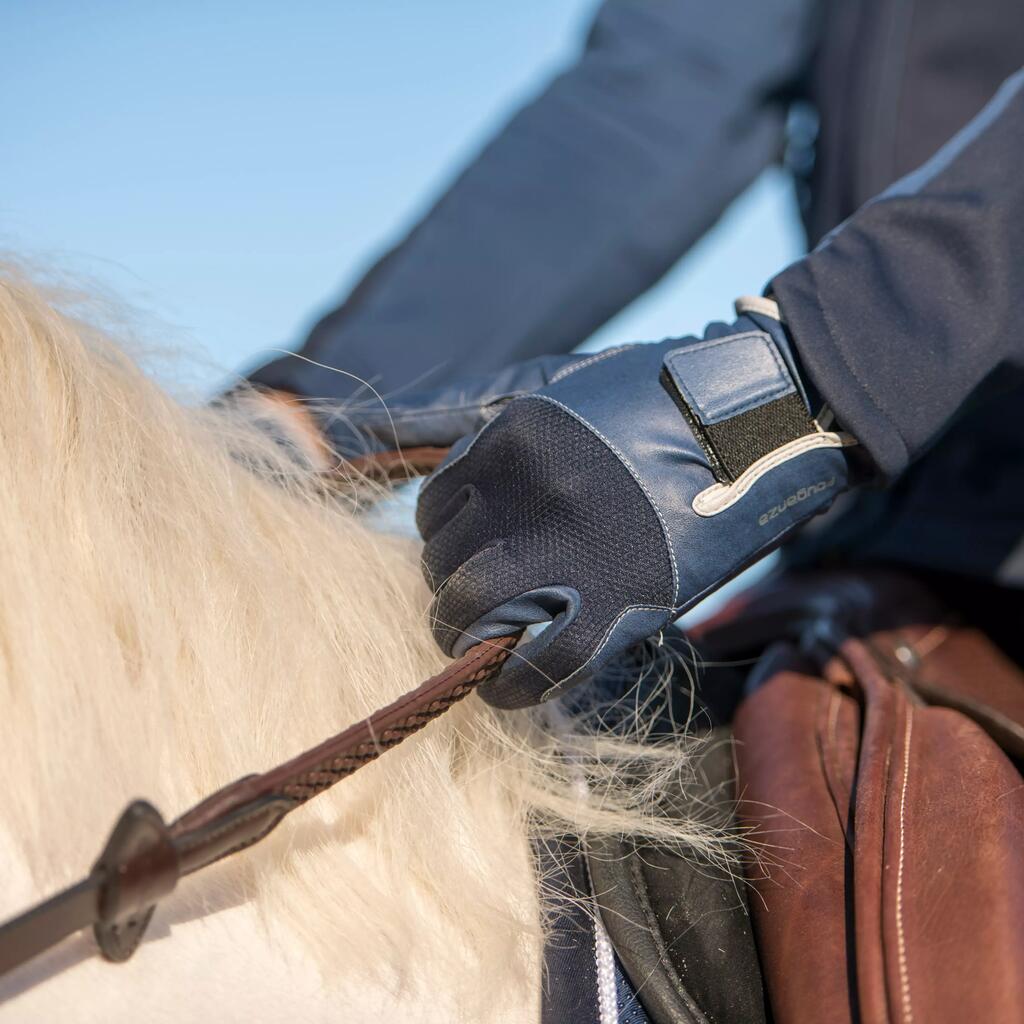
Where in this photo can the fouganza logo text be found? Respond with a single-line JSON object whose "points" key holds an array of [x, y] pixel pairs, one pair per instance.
{"points": [[794, 499]]}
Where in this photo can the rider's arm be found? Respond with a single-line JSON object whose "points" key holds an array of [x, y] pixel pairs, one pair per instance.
{"points": [[584, 200], [906, 308], [633, 483]]}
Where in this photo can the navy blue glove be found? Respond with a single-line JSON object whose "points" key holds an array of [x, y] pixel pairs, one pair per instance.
{"points": [[618, 494]]}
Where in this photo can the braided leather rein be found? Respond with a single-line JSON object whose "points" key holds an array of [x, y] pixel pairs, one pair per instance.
{"points": [[144, 857]]}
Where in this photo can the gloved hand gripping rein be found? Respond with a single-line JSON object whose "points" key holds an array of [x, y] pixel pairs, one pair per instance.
{"points": [[619, 493], [605, 494]]}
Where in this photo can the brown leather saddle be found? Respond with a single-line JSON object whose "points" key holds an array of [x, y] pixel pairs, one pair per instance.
{"points": [[879, 752]]}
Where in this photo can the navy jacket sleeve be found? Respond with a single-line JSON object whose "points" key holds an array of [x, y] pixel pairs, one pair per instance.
{"points": [[906, 308], [584, 200]]}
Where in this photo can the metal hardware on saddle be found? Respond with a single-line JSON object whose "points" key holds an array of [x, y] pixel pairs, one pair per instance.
{"points": [[144, 857]]}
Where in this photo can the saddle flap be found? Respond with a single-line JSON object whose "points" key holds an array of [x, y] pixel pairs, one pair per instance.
{"points": [[892, 826]]}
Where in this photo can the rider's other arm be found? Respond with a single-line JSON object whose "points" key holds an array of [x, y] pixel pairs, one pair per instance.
{"points": [[908, 306], [584, 200]]}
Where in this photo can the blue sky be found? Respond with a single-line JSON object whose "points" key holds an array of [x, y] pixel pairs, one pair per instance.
{"points": [[231, 168]]}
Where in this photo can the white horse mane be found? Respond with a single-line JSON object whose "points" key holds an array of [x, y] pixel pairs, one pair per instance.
{"points": [[171, 620]]}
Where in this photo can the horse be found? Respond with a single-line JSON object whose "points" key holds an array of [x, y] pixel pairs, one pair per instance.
{"points": [[184, 602]]}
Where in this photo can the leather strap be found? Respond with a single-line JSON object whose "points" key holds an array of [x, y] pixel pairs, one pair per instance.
{"points": [[398, 465], [401, 464], [144, 857]]}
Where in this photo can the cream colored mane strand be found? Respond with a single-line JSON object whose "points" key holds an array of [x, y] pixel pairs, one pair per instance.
{"points": [[172, 618]]}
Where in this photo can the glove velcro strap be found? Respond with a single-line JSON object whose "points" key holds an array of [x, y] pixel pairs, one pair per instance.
{"points": [[738, 397]]}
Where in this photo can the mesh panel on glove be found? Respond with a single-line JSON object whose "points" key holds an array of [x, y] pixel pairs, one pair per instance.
{"points": [[541, 501]]}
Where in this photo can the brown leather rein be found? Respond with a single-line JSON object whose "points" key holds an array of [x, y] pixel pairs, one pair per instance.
{"points": [[145, 857]]}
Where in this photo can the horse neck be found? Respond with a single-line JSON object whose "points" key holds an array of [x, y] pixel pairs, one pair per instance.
{"points": [[170, 623]]}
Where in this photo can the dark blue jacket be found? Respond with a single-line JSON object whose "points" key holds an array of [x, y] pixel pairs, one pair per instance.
{"points": [[909, 319], [594, 190]]}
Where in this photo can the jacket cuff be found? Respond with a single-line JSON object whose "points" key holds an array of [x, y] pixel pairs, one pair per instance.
{"points": [[820, 347]]}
